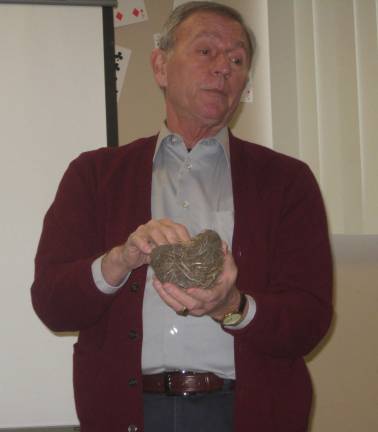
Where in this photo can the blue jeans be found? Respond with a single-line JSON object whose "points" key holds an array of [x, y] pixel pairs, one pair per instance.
{"points": [[206, 412]]}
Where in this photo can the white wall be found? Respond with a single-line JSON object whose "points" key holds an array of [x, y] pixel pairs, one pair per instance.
{"points": [[52, 107]]}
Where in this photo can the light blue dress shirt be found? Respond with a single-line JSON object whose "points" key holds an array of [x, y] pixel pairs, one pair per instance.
{"points": [[194, 189]]}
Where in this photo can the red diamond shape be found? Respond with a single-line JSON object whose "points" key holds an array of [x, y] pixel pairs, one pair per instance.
{"points": [[136, 12], [119, 16]]}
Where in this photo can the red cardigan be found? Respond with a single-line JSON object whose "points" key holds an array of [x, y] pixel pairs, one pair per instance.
{"points": [[282, 252]]}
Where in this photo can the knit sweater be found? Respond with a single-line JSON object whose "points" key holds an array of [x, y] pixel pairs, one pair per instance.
{"points": [[281, 249]]}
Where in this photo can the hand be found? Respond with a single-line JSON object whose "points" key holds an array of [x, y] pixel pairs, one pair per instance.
{"points": [[136, 251], [222, 298]]}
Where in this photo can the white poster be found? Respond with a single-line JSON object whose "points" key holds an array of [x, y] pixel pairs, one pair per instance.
{"points": [[52, 108]]}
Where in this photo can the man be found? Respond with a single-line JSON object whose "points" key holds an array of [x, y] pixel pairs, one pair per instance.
{"points": [[152, 356]]}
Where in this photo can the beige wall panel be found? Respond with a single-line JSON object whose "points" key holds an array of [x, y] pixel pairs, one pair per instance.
{"points": [[345, 371], [376, 14], [340, 172], [283, 76], [306, 84], [367, 77]]}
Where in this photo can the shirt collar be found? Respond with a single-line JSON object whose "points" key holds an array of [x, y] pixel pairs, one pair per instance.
{"points": [[222, 137]]}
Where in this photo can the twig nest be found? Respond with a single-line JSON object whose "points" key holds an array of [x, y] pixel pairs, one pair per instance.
{"points": [[195, 263]]}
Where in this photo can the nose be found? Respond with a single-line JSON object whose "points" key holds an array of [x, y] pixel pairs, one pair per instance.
{"points": [[222, 65]]}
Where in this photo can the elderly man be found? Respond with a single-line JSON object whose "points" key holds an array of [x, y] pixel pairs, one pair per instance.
{"points": [[152, 356]]}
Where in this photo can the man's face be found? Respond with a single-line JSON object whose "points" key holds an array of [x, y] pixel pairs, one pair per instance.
{"points": [[206, 71]]}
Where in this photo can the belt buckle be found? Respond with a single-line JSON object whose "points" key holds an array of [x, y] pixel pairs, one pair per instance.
{"points": [[168, 385]]}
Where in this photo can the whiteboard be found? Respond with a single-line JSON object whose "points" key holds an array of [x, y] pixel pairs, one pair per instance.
{"points": [[52, 107]]}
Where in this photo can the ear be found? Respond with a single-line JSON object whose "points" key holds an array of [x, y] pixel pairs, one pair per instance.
{"points": [[159, 67]]}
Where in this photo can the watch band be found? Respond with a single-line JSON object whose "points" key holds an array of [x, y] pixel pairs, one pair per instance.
{"points": [[243, 302]]}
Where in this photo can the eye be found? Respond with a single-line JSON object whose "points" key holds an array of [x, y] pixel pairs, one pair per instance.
{"points": [[204, 51], [237, 60]]}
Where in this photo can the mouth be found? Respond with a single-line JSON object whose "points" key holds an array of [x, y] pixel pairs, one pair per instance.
{"points": [[215, 91]]}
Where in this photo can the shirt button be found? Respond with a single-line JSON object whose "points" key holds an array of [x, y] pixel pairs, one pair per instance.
{"points": [[134, 287], [132, 428], [185, 204]]}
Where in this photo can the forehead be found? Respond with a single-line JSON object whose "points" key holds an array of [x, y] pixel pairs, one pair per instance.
{"points": [[212, 25]]}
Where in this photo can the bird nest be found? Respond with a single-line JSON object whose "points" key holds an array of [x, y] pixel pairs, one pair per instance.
{"points": [[194, 263]]}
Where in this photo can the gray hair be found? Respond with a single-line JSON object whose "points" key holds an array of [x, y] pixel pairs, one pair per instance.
{"points": [[181, 13]]}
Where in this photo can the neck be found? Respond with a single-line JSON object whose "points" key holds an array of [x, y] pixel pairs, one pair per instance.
{"points": [[192, 131]]}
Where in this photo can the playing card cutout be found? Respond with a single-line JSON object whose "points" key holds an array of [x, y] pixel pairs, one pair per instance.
{"points": [[247, 95], [157, 37], [129, 12], [122, 58]]}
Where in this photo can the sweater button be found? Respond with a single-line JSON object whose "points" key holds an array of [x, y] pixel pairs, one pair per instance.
{"points": [[132, 428], [133, 334], [132, 382], [134, 287]]}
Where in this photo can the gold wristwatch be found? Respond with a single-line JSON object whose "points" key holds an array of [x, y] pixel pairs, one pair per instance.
{"points": [[235, 317]]}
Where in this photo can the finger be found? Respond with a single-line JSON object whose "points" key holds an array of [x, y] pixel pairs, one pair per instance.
{"points": [[201, 295], [204, 301], [164, 231], [230, 272], [182, 232], [175, 232], [155, 234], [167, 299], [181, 296], [140, 242], [225, 247]]}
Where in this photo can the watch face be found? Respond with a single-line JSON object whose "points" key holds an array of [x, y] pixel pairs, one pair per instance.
{"points": [[232, 319]]}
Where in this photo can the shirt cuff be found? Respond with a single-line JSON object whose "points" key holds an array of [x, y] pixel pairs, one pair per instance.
{"points": [[99, 280], [251, 312]]}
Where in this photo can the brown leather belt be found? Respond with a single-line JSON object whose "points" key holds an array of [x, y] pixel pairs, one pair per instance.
{"points": [[185, 383]]}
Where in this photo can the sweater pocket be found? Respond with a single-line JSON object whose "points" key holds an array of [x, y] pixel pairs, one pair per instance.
{"points": [[89, 377]]}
